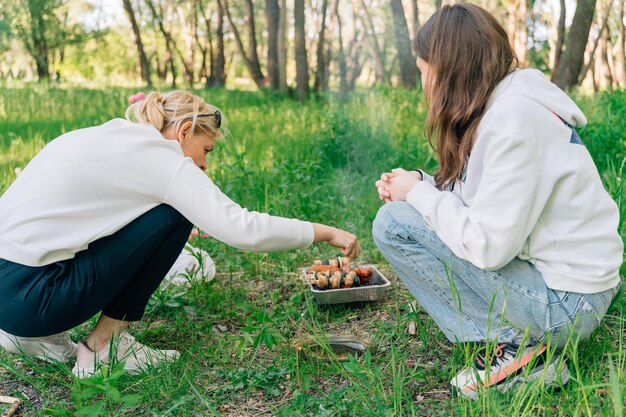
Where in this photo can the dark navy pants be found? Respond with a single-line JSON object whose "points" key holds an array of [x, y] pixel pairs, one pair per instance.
{"points": [[115, 275]]}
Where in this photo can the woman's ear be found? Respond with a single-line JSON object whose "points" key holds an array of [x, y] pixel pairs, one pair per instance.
{"points": [[184, 130]]}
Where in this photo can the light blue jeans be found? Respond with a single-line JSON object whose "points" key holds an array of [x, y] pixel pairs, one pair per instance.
{"points": [[470, 304]]}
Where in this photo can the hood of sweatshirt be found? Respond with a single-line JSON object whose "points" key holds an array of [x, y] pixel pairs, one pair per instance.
{"points": [[532, 84]]}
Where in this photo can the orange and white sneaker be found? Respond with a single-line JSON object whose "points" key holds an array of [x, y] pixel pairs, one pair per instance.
{"points": [[136, 357], [57, 347], [508, 367]]}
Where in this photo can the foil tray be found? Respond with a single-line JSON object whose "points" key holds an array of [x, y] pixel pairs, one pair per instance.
{"points": [[376, 290]]}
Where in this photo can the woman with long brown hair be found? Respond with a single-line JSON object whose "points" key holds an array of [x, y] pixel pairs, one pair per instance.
{"points": [[514, 239]]}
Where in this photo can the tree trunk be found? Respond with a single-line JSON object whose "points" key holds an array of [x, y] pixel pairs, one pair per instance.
{"points": [[408, 68], [415, 18], [188, 21], [512, 21], [376, 52], [219, 76], [590, 54], [39, 50], [302, 66], [282, 46], [605, 78], [205, 49], [321, 65], [272, 14], [568, 69], [172, 49], [205, 74], [143, 60], [620, 49], [355, 68], [215, 76], [169, 44], [521, 36], [252, 44], [254, 67], [161, 71], [354, 58], [328, 54], [560, 36], [343, 73]]}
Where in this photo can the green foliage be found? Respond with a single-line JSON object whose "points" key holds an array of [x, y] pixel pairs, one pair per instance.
{"points": [[41, 26], [5, 30], [604, 134]]}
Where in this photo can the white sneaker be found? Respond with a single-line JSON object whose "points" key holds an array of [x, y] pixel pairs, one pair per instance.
{"points": [[508, 368], [57, 347], [187, 267], [135, 356]]}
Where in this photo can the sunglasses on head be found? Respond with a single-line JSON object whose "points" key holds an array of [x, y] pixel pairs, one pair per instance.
{"points": [[216, 114]]}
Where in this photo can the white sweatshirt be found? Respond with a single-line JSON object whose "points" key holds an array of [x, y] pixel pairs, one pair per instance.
{"points": [[90, 183], [530, 190]]}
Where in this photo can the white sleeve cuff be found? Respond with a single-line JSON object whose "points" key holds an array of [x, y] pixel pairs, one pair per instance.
{"points": [[426, 177], [308, 234]]}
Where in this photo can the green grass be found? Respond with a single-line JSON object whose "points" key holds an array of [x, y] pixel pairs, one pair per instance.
{"points": [[316, 161]]}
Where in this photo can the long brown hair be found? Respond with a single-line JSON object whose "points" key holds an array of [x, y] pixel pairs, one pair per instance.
{"points": [[468, 53]]}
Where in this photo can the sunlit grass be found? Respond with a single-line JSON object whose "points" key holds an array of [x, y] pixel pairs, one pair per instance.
{"points": [[316, 161]]}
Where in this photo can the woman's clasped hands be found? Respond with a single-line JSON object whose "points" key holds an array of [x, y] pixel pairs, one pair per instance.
{"points": [[396, 185]]}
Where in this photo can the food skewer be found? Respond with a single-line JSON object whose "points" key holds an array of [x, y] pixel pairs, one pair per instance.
{"points": [[338, 273]]}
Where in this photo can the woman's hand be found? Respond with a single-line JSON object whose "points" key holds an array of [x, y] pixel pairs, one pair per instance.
{"points": [[382, 185], [395, 185], [345, 241]]}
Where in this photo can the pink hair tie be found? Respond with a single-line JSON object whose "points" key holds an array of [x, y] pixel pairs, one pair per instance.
{"points": [[137, 97]]}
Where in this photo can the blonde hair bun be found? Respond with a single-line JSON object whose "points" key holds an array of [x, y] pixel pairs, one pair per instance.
{"points": [[171, 110]]}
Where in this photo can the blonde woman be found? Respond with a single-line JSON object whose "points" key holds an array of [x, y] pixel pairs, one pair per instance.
{"points": [[97, 218]]}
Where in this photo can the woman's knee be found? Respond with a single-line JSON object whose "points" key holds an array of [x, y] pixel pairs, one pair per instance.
{"points": [[167, 214], [395, 220], [163, 217]]}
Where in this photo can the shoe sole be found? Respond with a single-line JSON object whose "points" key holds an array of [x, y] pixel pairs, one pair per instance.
{"points": [[131, 369], [89, 372], [37, 349], [553, 378]]}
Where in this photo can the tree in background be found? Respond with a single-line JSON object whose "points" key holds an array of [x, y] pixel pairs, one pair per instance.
{"points": [[351, 42], [302, 64], [251, 58], [557, 49], [408, 68], [603, 70], [376, 52], [39, 26], [215, 76], [571, 61], [159, 18], [272, 13], [282, 47], [620, 47], [5, 30], [143, 60], [320, 73], [518, 29]]}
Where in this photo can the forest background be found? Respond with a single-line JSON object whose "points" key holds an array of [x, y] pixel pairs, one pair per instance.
{"points": [[321, 96]]}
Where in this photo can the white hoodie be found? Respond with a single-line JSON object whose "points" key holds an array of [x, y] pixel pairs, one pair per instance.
{"points": [[90, 183], [530, 190]]}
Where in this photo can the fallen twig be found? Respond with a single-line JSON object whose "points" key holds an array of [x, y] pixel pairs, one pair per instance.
{"points": [[16, 403]]}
